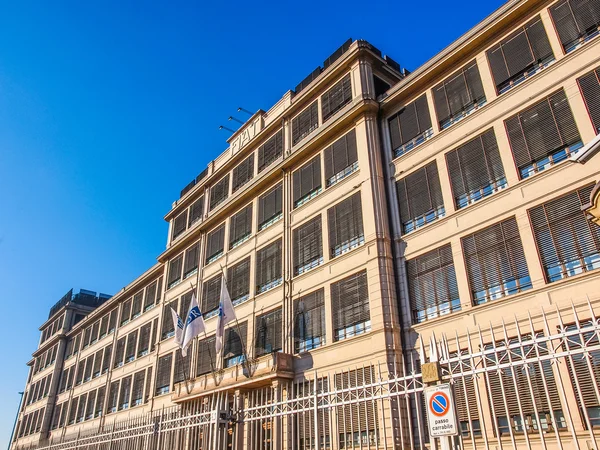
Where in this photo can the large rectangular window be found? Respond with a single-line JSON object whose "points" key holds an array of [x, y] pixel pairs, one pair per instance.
{"points": [[458, 95], [270, 207], [268, 267], [119, 353], [309, 321], [219, 192], [242, 173], [520, 55], [567, 241], [305, 122], [196, 211], [590, 89], [131, 346], [475, 169], [125, 394], [495, 261], [192, 254], [168, 327], [543, 134], [432, 284], [151, 296], [308, 246], [163, 374], [215, 244], [345, 223], [136, 305], [238, 281], [576, 21], [339, 95], [341, 159], [206, 356], [235, 344], [144, 344], [182, 368], [240, 227], [100, 401], [137, 390], [180, 224], [113, 397], [420, 198], [270, 150], [211, 295], [411, 126], [307, 181], [350, 306], [175, 266], [268, 333]]}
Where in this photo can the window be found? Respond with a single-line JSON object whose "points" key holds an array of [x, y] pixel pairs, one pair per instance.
{"points": [[268, 333], [270, 150], [268, 267], [175, 271], [148, 387], [103, 327], [219, 192], [269, 207], [304, 123], [543, 134], [308, 246], [89, 409], [106, 358], [136, 305], [184, 305], [576, 21], [137, 391], [520, 55], [420, 198], [206, 356], [240, 227], [432, 284], [154, 334], [242, 173], [196, 211], [163, 374], [131, 345], [55, 416], [307, 181], [590, 89], [475, 169], [235, 344], [350, 306], [336, 98], [113, 397], [81, 408], [80, 370], [215, 243], [182, 368], [95, 328], [151, 297], [495, 261], [180, 224], [119, 353], [211, 296], [144, 344], [309, 321], [112, 321], [458, 95], [568, 243], [97, 370], [341, 159], [87, 335], [125, 393], [345, 225], [168, 327], [411, 126], [100, 401], [126, 312], [192, 255], [238, 281]]}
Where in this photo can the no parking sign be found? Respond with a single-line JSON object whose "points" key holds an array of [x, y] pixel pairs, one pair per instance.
{"points": [[441, 412]]}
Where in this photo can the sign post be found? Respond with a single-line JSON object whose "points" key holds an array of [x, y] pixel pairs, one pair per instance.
{"points": [[441, 413]]}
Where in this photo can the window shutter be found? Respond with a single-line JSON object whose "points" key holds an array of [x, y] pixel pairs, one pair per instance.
{"points": [[112, 321], [215, 243], [410, 124], [179, 224], [309, 321], [269, 206], [97, 370], [106, 358], [242, 173], [191, 259], [89, 409], [305, 122], [144, 344], [345, 223], [340, 157], [125, 392], [80, 370], [150, 297], [211, 294], [350, 302], [136, 306], [206, 356], [362, 415], [235, 341], [307, 179], [113, 396], [103, 330], [87, 336], [568, 243], [219, 192], [268, 267], [167, 327], [100, 401], [184, 305], [420, 197], [148, 387], [95, 328], [238, 280], [175, 270], [196, 211], [339, 95], [496, 264], [268, 333], [240, 226], [590, 88], [308, 245], [131, 344], [576, 21], [89, 365], [432, 284], [270, 150], [137, 392], [119, 352], [163, 374], [80, 410], [182, 368]]}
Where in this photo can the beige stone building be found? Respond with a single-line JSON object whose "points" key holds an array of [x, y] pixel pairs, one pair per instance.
{"points": [[368, 211]]}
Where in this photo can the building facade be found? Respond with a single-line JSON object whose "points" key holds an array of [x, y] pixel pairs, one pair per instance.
{"points": [[367, 212]]}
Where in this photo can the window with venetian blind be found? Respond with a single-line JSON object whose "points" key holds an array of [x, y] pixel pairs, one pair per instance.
{"points": [[235, 345], [475, 169], [345, 224], [180, 224], [151, 294], [432, 284], [163, 374], [308, 246], [97, 369], [192, 254], [576, 21], [175, 266], [465, 399], [268, 267], [520, 55], [238, 281], [458, 95], [307, 181], [119, 353], [219, 192], [268, 333], [411, 126], [205, 363], [495, 260], [100, 396], [137, 390], [242, 173], [125, 394], [196, 211], [148, 387], [182, 368], [338, 96], [305, 122], [113, 397], [341, 159], [350, 306], [211, 295], [136, 305], [184, 305], [270, 207], [270, 151], [131, 346], [106, 358], [568, 242], [168, 327], [420, 198], [215, 244], [144, 344], [543, 134], [240, 227], [309, 321], [590, 89]]}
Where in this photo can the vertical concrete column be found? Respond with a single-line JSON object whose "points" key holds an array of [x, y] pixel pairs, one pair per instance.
{"points": [[240, 425], [276, 430], [362, 79], [462, 278], [508, 161], [536, 272], [489, 87], [552, 34]]}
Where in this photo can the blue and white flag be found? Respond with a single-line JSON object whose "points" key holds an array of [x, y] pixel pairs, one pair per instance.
{"points": [[194, 324], [178, 325], [226, 315]]}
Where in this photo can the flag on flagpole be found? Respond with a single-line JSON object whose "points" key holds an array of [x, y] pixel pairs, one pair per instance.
{"points": [[226, 315], [178, 325], [194, 324]]}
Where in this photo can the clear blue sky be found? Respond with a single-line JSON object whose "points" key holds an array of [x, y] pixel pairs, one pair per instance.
{"points": [[108, 109]]}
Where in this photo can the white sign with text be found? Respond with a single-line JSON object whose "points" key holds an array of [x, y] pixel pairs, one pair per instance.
{"points": [[441, 410]]}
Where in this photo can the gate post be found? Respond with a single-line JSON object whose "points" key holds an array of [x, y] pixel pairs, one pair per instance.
{"points": [[276, 420], [238, 443]]}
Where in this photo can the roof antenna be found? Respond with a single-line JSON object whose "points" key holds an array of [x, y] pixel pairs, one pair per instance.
{"points": [[237, 120], [240, 109], [221, 127]]}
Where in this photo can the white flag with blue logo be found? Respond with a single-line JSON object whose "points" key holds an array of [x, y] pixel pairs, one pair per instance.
{"points": [[194, 324], [226, 315], [178, 325]]}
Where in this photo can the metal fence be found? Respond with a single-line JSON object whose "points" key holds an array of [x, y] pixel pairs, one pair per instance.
{"points": [[530, 384]]}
